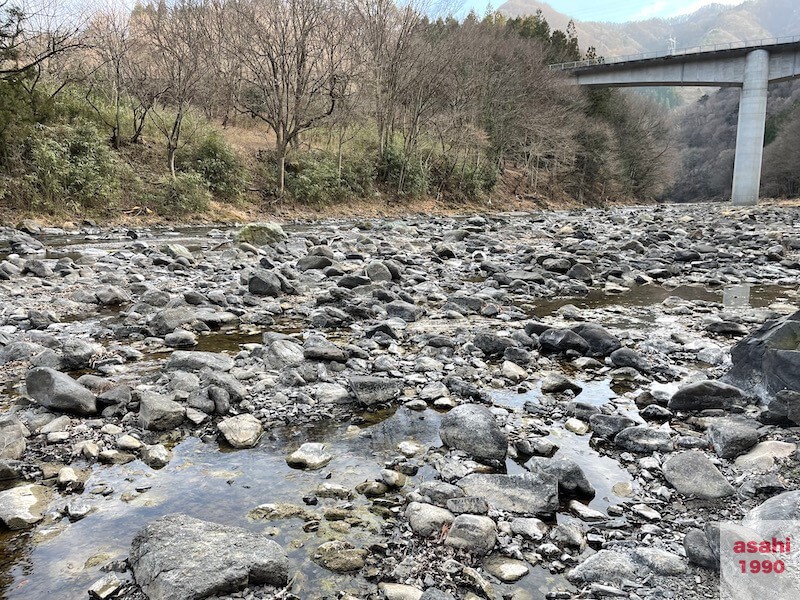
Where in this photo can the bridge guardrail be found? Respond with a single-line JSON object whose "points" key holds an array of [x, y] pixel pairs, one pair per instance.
{"points": [[589, 62]]}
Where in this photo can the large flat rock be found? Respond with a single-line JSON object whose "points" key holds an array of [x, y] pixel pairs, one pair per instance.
{"points": [[178, 557], [525, 494]]}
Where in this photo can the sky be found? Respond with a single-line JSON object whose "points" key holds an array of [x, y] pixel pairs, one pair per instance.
{"points": [[617, 10]]}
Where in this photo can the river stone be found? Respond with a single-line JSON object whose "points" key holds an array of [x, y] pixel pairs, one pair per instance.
{"points": [[492, 344], [180, 338], [530, 528], [507, 570], [440, 492], [369, 390], [156, 456], [178, 557], [187, 360], [698, 550], [264, 283], [571, 479], [378, 271], [399, 591], [159, 413], [626, 357], [783, 507], [437, 594], [241, 431], [310, 455], [607, 426], [660, 561], [427, 519], [693, 474], [340, 556], [313, 262], [768, 360], [404, 310], [644, 439], [261, 234], [762, 456], [283, 353], [473, 429], [555, 383], [169, 319], [606, 565], [707, 394], [12, 437], [473, 533], [22, 507], [732, 437], [59, 391], [601, 342], [523, 494], [316, 347], [561, 340]]}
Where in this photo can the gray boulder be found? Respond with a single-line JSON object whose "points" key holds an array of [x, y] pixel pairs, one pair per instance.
{"points": [[607, 426], [241, 431], [59, 391], [426, 519], [264, 283], [473, 533], [571, 479], [732, 437], [12, 438], [159, 413], [525, 494], [644, 439], [561, 340], [316, 347], [188, 360], [167, 320], [768, 360], [178, 557], [473, 429], [601, 342], [604, 566], [261, 234], [694, 475], [369, 390], [707, 394]]}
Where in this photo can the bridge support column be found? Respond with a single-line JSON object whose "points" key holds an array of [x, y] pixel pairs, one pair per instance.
{"points": [[750, 131]]}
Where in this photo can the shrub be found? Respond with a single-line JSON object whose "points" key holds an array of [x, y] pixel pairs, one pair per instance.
{"points": [[185, 193], [460, 180], [217, 163], [72, 165], [404, 173], [314, 178]]}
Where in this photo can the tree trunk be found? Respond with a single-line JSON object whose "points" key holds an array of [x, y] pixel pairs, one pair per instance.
{"points": [[171, 158]]}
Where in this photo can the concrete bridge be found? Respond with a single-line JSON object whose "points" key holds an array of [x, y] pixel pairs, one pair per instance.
{"points": [[751, 66]]}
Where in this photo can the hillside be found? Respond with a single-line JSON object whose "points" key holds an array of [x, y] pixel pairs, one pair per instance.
{"points": [[709, 25]]}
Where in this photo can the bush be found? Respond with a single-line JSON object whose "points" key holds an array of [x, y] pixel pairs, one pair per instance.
{"points": [[404, 173], [314, 178], [461, 181], [69, 164], [218, 164], [185, 193]]}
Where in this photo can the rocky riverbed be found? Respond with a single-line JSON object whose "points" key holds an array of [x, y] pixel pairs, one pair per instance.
{"points": [[549, 405]]}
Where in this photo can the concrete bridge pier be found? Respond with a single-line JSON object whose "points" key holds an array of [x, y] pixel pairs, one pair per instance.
{"points": [[750, 129]]}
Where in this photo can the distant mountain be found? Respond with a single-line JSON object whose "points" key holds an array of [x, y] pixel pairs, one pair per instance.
{"points": [[712, 24]]}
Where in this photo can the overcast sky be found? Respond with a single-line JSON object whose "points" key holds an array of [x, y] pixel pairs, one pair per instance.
{"points": [[617, 10]]}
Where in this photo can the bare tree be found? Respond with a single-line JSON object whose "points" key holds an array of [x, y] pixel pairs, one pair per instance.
{"points": [[294, 56]]}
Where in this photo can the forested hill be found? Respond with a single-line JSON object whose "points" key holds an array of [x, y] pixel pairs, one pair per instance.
{"points": [[175, 107], [715, 23]]}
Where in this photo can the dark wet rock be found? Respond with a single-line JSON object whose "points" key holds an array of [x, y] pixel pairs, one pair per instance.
{"points": [[694, 475], [580, 272], [607, 426], [264, 283], [643, 439], [768, 360], [626, 357], [555, 383], [159, 413], [525, 494], [605, 566], [493, 345], [732, 437], [167, 320], [184, 360], [23, 506], [178, 557], [340, 556], [12, 437], [571, 479], [241, 431], [316, 347], [562, 340], [353, 281], [654, 412], [699, 551], [728, 328], [443, 250], [404, 310], [369, 390], [312, 262], [473, 533], [601, 342], [59, 391], [10, 469], [261, 234], [473, 429], [707, 394], [426, 519]]}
